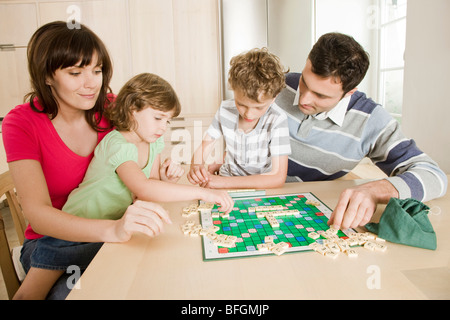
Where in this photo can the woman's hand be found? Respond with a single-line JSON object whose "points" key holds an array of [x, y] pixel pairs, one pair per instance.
{"points": [[144, 217]]}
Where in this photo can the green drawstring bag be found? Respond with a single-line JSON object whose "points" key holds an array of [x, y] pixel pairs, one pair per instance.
{"points": [[406, 222]]}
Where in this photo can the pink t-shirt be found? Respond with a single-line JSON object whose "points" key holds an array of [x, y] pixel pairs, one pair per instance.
{"points": [[28, 134]]}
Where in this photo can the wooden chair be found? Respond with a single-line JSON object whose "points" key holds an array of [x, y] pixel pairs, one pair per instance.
{"points": [[11, 273]]}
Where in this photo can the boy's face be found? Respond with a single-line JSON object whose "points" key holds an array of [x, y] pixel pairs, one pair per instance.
{"points": [[318, 94], [250, 110]]}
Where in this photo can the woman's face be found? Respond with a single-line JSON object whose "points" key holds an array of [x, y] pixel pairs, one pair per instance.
{"points": [[76, 87]]}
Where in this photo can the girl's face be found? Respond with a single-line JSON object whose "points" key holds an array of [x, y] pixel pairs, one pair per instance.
{"points": [[151, 123], [77, 87]]}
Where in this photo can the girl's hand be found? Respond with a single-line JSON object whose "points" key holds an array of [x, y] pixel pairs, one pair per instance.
{"points": [[214, 182], [198, 175], [142, 216], [170, 171], [219, 197]]}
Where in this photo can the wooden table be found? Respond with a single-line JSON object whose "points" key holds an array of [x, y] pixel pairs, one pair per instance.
{"points": [[171, 266]]}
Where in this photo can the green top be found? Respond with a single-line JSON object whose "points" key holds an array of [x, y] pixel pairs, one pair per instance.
{"points": [[101, 194]]}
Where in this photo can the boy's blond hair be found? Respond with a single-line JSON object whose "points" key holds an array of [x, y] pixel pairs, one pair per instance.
{"points": [[140, 92], [258, 73]]}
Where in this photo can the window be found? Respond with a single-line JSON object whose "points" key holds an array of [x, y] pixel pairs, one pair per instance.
{"points": [[392, 38]]}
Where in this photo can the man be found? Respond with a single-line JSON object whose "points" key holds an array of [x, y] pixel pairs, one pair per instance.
{"points": [[333, 126]]}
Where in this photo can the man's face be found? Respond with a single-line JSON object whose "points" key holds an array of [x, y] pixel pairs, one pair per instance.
{"points": [[318, 94]]}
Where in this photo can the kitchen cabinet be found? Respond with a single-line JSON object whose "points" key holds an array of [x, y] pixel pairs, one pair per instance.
{"points": [[176, 39]]}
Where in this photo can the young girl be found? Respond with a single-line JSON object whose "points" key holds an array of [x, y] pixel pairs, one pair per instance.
{"points": [[129, 155], [126, 167]]}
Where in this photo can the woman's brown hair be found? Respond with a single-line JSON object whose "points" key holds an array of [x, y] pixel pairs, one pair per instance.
{"points": [[55, 46]]}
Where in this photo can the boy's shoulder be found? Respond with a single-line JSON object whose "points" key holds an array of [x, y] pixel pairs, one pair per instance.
{"points": [[275, 114], [276, 109]]}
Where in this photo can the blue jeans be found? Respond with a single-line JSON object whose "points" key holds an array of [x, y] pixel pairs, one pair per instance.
{"points": [[54, 254]]}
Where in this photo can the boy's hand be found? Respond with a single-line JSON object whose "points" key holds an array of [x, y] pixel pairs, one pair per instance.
{"points": [[214, 168], [170, 171], [198, 175]]}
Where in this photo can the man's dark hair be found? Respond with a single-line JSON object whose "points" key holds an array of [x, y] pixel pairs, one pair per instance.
{"points": [[340, 56]]}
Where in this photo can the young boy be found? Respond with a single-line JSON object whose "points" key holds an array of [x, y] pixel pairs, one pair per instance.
{"points": [[254, 128]]}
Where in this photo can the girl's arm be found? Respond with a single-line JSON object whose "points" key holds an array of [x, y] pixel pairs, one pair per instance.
{"points": [[37, 207], [162, 191], [155, 172], [273, 179]]}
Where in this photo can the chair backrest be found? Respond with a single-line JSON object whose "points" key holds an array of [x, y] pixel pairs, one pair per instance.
{"points": [[7, 189], [10, 277]]}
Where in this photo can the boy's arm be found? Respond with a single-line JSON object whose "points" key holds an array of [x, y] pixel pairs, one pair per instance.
{"points": [[273, 179], [198, 173]]}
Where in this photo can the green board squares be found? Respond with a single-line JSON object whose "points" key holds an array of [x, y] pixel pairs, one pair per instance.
{"points": [[251, 230]]}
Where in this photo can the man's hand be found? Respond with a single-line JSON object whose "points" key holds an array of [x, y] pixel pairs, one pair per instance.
{"points": [[357, 205]]}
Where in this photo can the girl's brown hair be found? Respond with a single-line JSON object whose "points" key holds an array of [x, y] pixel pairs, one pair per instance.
{"points": [[142, 91], [55, 46], [257, 72]]}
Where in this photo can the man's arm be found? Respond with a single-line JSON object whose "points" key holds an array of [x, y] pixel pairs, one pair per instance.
{"points": [[412, 174]]}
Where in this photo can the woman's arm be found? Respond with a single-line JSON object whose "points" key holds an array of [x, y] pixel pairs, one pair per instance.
{"points": [[37, 207]]}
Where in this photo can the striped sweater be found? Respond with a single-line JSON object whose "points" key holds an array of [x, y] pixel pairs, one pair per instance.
{"points": [[326, 151]]}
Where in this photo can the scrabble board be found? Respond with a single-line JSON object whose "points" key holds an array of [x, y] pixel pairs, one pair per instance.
{"points": [[251, 228]]}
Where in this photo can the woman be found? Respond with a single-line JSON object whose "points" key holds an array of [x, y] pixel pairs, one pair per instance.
{"points": [[49, 142]]}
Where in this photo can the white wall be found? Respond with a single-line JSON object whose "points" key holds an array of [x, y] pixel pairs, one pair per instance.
{"points": [[290, 34], [426, 101], [283, 26], [244, 27], [355, 18]]}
